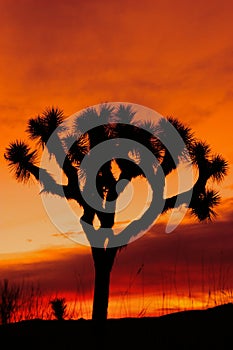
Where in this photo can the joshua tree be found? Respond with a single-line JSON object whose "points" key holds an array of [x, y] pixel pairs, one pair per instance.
{"points": [[59, 308], [116, 124]]}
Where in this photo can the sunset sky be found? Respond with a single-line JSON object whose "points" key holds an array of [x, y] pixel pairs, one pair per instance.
{"points": [[174, 57]]}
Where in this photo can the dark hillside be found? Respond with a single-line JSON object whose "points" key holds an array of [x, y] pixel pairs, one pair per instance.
{"points": [[196, 329]]}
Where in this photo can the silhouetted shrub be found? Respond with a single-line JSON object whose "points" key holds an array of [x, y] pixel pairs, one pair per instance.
{"points": [[59, 308]]}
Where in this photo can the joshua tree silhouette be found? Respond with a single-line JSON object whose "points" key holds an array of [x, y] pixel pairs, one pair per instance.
{"points": [[115, 123]]}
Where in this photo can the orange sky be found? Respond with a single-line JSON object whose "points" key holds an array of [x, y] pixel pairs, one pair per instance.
{"points": [[172, 56]]}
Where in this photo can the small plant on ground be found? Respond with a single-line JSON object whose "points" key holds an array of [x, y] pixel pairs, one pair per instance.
{"points": [[59, 308]]}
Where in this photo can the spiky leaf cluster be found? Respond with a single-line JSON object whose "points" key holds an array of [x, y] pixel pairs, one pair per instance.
{"points": [[20, 158], [203, 206], [42, 127]]}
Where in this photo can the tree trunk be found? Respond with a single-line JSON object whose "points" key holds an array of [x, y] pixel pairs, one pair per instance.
{"points": [[101, 293], [103, 258], [103, 262]]}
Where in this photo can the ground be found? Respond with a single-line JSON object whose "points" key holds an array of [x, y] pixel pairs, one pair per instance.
{"points": [[196, 329]]}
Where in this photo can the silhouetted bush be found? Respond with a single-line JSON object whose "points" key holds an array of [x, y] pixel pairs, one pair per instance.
{"points": [[59, 308]]}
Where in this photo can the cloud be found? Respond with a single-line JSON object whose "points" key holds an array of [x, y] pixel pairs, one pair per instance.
{"points": [[54, 269], [189, 252]]}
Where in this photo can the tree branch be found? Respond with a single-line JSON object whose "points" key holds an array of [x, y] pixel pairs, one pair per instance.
{"points": [[50, 185], [55, 147]]}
